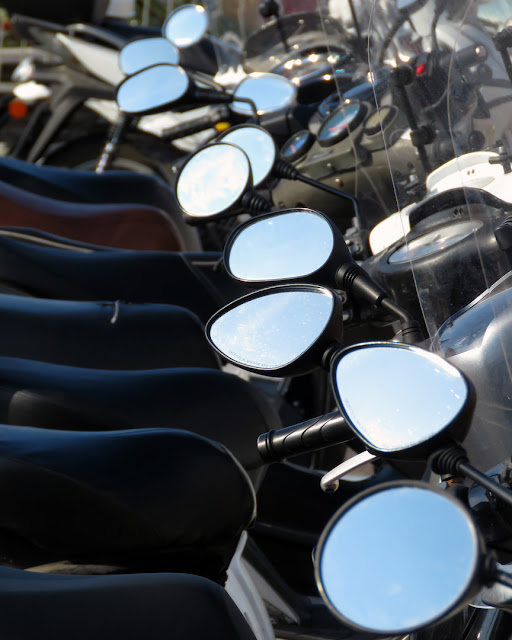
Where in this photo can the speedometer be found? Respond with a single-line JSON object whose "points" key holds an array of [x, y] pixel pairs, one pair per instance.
{"points": [[434, 241], [338, 125], [297, 146]]}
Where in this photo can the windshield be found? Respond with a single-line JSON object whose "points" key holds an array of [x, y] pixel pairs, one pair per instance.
{"points": [[409, 109], [449, 260]]}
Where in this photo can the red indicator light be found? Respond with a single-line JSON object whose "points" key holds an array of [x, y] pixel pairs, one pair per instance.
{"points": [[421, 69]]}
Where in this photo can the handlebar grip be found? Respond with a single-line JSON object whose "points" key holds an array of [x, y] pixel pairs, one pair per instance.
{"points": [[317, 433], [467, 57]]}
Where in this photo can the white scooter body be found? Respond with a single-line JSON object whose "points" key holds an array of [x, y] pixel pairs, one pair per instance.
{"points": [[468, 170]]}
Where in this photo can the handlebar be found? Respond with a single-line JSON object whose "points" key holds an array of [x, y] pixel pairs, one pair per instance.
{"points": [[317, 433], [467, 57]]}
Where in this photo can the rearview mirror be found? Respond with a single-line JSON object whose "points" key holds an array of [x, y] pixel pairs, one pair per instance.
{"points": [[259, 146], [268, 92], [186, 25], [386, 565], [213, 181], [280, 331], [147, 52], [418, 399], [152, 90], [295, 244]]}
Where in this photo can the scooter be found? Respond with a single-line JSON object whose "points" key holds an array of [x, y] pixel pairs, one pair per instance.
{"points": [[91, 69]]}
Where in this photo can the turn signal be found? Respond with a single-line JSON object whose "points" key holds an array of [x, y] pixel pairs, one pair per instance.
{"points": [[17, 109], [221, 127]]}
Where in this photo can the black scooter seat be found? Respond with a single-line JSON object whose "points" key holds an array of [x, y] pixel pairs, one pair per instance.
{"points": [[111, 187], [157, 498], [103, 335], [48, 266], [212, 403], [129, 607]]}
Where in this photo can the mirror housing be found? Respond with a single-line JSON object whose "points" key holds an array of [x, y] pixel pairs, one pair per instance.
{"points": [[186, 25], [269, 92], [393, 424], [275, 230], [213, 182], [383, 565], [162, 87], [280, 331], [147, 52], [259, 146]]}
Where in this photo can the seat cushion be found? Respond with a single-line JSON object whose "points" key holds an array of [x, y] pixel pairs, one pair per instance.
{"points": [[147, 497], [131, 607], [102, 334], [214, 404]]}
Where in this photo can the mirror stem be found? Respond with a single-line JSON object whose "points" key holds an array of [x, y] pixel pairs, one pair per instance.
{"points": [[110, 148], [502, 41], [453, 460], [352, 278], [411, 330], [287, 171], [252, 104], [357, 27]]}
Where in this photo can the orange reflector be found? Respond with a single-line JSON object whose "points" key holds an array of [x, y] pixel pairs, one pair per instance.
{"points": [[17, 109], [222, 126]]}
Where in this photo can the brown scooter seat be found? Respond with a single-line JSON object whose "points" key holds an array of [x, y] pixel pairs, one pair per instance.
{"points": [[122, 226]]}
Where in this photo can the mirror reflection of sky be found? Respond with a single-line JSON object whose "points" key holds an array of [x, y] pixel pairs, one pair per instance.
{"points": [[269, 93], [398, 397], [152, 88], [146, 52], [260, 148], [187, 26], [273, 330], [212, 180], [287, 245], [398, 559]]}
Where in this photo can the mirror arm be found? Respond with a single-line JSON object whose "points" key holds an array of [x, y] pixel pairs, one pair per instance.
{"points": [[287, 171], [502, 41], [251, 103], [353, 279], [411, 330], [211, 95], [110, 148], [453, 460], [204, 78], [331, 480], [318, 433]]}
